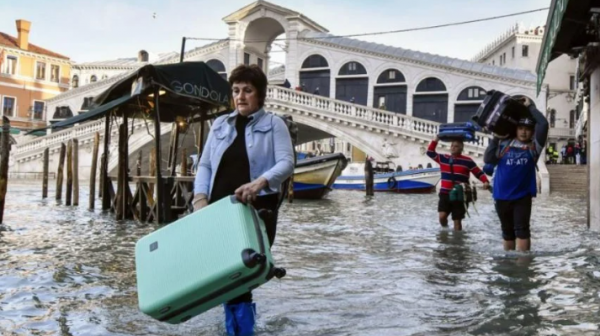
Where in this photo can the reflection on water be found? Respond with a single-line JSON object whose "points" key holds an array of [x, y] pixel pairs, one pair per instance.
{"points": [[356, 266]]}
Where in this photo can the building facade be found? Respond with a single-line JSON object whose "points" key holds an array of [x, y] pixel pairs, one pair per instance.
{"points": [[573, 31], [29, 75], [519, 48], [92, 72]]}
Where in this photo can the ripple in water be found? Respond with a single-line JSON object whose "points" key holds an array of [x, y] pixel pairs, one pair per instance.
{"points": [[356, 266]]}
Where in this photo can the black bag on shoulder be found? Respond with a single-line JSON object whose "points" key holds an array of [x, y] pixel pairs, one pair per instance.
{"points": [[500, 113]]}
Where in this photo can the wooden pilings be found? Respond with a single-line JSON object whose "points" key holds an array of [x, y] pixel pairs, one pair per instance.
{"points": [[75, 172], [172, 161], [184, 163], [152, 171], [106, 183], [369, 177], [123, 197], [69, 172], [59, 174], [45, 173], [4, 157], [93, 171], [101, 176]]}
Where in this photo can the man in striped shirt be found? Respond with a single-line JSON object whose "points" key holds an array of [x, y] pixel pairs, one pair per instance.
{"points": [[462, 167]]}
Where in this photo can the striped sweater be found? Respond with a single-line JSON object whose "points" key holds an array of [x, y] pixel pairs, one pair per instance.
{"points": [[462, 165]]}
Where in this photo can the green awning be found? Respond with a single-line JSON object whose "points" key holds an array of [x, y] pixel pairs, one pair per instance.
{"points": [[38, 133], [12, 130], [553, 24], [186, 90]]}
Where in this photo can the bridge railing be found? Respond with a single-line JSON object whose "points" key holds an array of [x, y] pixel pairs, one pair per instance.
{"points": [[76, 132], [402, 122], [407, 124]]}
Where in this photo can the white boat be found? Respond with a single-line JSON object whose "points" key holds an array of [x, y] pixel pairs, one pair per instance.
{"points": [[410, 181]]}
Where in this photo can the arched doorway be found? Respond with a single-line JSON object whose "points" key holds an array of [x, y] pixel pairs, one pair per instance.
{"points": [[315, 75], [258, 38], [352, 83], [572, 119], [218, 67], [430, 100], [552, 117], [390, 91], [467, 103]]}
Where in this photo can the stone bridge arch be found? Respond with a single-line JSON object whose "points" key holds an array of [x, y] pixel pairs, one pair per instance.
{"points": [[373, 141]]}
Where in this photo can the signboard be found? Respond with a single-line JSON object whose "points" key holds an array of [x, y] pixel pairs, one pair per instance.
{"points": [[552, 29]]}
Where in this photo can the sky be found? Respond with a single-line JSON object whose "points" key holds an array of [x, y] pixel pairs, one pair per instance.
{"points": [[95, 30]]}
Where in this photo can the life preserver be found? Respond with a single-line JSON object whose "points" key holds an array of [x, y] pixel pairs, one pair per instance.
{"points": [[392, 183]]}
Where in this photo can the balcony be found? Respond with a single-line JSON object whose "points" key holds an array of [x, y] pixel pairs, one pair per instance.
{"points": [[563, 133]]}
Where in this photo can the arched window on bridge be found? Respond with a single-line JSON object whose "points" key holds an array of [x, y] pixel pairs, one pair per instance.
{"points": [[352, 83], [467, 103], [430, 100], [218, 66], [62, 112], [315, 75], [390, 91], [93, 79], [75, 81]]}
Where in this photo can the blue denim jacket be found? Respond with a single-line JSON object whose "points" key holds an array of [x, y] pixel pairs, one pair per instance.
{"points": [[269, 147]]}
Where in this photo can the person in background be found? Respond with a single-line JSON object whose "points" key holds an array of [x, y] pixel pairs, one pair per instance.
{"points": [[248, 154], [515, 177], [456, 169]]}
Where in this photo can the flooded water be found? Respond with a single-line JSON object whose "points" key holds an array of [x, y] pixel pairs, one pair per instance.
{"points": [[356, 266]]}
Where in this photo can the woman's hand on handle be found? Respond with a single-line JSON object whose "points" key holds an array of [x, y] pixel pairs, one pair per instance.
{"points": [[248, 192]]}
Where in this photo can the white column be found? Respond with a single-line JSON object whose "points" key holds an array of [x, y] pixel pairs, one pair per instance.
{"points": [[409, 101], [450, 110], [371, 90], [291, 58], [594, 150]]}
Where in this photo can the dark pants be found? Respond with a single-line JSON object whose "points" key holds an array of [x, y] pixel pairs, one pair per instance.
{"points": [[514, 217], [456, 208], [268, 203]]}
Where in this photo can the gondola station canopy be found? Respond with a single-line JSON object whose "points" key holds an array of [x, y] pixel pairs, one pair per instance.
{"points": [[185, 91]]}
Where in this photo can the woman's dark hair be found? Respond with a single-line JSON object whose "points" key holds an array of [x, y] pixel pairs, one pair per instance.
{"points": [[254, 75]]}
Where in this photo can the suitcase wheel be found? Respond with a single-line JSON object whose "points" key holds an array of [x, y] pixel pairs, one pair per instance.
{"points": [[279, 272], [276, 272], [252, 258]]}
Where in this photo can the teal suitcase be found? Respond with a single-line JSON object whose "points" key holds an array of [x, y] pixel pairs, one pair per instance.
{"points": [[202, 260]]}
